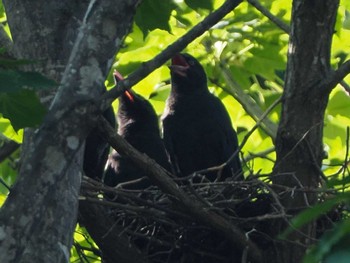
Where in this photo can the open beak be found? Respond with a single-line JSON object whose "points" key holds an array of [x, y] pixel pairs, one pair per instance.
{"points": [[118, 77], [179, 65], [180, 70], [129, 94]]}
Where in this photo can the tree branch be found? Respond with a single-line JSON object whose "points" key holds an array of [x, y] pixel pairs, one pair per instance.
{"points": [[194, 207], [269, 15], [147, 67], [337, 76], [249, 105], [7, 149], [345, 86]]}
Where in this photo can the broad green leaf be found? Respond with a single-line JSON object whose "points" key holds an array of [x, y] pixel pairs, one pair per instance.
{"points": [[346, 22], [345, 3], [338, 103], [8, 173], [12, 63], [85, 246], [200, 4], [338, 182], [2, 13], [265, 61], [153, 14], [312, 213], [7, 130], [14, 81], [2, 199], [333, 246], [22, 108]]}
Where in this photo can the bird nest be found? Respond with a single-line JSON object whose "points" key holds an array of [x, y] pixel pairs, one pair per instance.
{"points": [[157, 227], [161, 229]]}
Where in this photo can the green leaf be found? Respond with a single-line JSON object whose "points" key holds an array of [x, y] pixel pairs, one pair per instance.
{"points": [[333, 246], [8, 172], [312, 213], [200, 4], [153, 14], [338, 103], [22, 108], [2, 11], [7, 130], [14, 81], [346, 22], [13, 63]]}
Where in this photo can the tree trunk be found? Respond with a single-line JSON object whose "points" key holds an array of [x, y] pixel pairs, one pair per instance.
{"points": [[73, 42], [299, 145]]}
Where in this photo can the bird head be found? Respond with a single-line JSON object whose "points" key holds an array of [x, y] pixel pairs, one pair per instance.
{"points": [[119, 77], [187, 74], [133, 107]]}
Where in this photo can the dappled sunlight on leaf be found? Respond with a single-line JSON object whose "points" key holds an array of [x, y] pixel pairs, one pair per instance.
{"points": [[7, 130]]}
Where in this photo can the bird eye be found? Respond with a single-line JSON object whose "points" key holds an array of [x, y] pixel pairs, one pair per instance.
{"points": [[191, 62]]}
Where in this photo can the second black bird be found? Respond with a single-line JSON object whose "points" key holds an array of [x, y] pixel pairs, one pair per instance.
{"points": [[198, 133], [138, 125]]}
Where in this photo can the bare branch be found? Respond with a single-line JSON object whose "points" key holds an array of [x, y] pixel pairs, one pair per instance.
{"points": [[345, 86], [262, 154], [337, 76], [247, 102], [146, 68], [269, 15]]}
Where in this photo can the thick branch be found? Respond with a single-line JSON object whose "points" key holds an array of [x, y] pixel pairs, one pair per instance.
{"points": [[39, 216], [337, 76], [193, 207], [149, 66], [299, 148]]}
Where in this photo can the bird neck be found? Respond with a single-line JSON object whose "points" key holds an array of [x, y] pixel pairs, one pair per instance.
{"points": [[188, 90]]}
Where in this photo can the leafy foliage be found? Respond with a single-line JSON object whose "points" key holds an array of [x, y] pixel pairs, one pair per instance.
{"points": [[197, 4], [333, 246], [18, 100], [153, 14], [16, 80], [84, 247], [313, 213], [23, 108]]}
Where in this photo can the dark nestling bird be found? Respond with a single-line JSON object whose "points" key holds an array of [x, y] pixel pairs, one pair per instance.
{"points": [[198, 133], [97, 149], [138, 125]]}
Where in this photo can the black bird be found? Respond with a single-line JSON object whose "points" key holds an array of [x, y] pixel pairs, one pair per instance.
{"points": [[97, 149], [138, 125], [198, 133]]}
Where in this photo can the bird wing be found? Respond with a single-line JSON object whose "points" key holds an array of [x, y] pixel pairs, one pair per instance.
{"points": [[199, 135]]}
